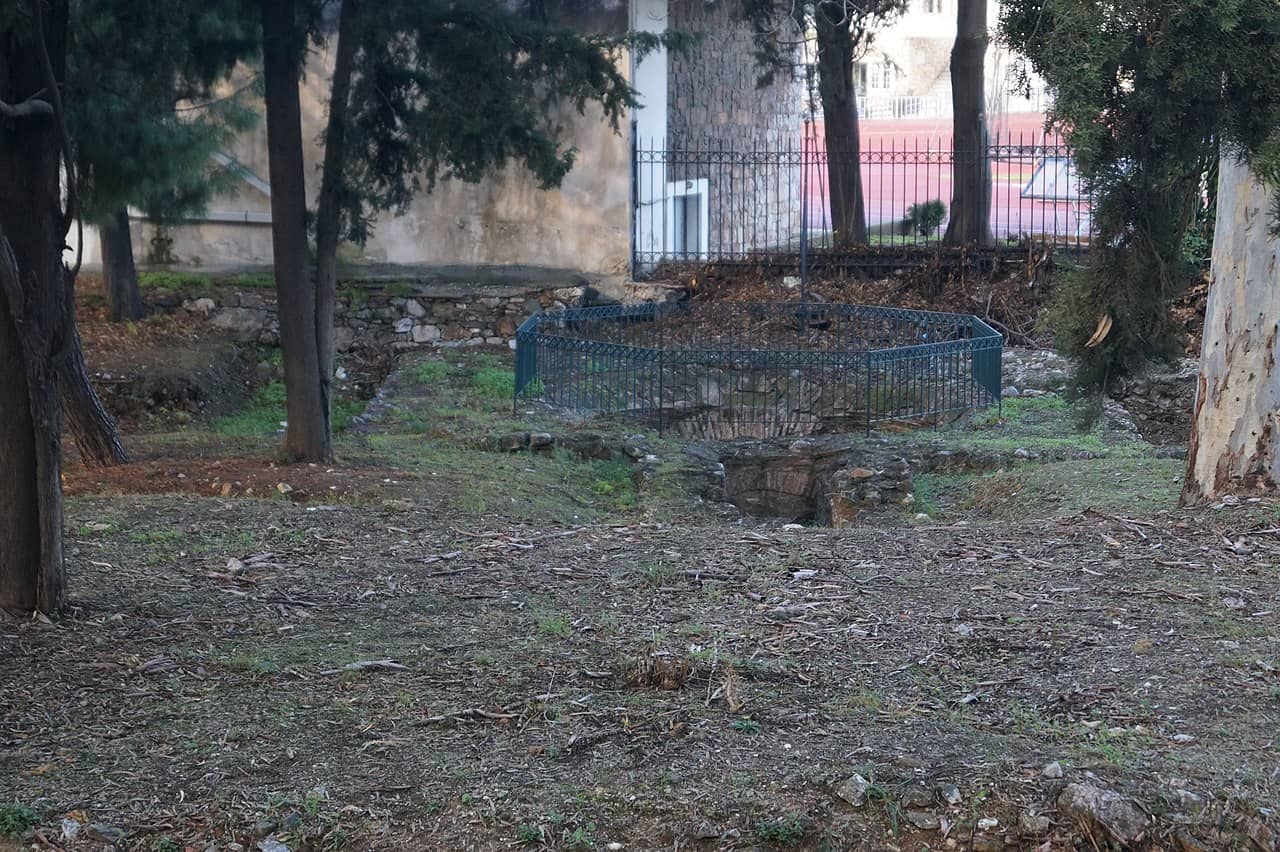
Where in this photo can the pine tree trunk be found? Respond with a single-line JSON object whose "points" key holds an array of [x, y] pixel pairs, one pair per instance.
{"points": [[119, 275], [35, 315], [840, 124], [971, 188], [328, 211], [1235, 429], [95, 431], [283, 40]]}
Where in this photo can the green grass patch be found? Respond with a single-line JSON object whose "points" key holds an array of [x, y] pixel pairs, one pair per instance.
{"points": [[935, 490], [431, 372], [262, 416], [249, 281], [164, 279], [1133, 485], [265, 413], [493, 383]]}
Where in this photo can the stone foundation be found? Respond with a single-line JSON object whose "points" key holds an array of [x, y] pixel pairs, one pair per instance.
{"points": [[407, 315], [827, 482]]}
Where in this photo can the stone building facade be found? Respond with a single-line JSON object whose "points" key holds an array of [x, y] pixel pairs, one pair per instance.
{"points": [[742, 138]]}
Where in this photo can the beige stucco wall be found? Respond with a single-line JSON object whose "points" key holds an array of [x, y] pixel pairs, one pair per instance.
{"points": [[504, 219]]}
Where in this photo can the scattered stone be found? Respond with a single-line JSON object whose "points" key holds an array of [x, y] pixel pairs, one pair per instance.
{"points": [[924, 820], [987, 823], [203, 306], [1052, 770], [103, 833], [1034, 824], [1022, 453], [854, 790], [949, 793], [70, 829], [245, 323], [1111, 811], [270, 844], [264, 827], [425, 333], [614, 846], [983, 843], [1187, 843], [915, 797], [706, 831], [1188, 802], [404, 325], [585, 445]]}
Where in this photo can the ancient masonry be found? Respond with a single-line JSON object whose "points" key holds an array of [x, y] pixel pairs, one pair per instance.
{"points": [[410, 315], [719, 115]]}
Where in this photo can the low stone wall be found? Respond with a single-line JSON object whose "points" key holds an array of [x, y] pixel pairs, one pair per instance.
{"points": [[423, 314]]}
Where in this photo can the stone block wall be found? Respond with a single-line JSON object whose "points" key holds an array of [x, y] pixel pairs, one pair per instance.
{"points": [[406, 315], [715, 105]]}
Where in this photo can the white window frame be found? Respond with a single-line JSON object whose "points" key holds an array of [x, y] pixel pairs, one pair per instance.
{"points": [[677, 192]]}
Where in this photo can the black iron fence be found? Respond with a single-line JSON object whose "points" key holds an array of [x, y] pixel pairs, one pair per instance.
{"points": [[728, 369], [713, 203]]}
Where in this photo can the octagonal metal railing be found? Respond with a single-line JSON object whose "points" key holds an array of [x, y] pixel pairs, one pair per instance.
{"points": [[765, 368]]}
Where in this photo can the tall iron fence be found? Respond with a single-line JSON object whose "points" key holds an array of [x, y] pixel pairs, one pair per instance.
{"points": [[715, 203], [729, 369]]}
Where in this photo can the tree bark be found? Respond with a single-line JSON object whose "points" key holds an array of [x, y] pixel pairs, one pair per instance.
{"points": [[35, 315], [92, 427], [283, 41], [971, 175], [1235, 429], [119, 275], [840, 124], [328, 208]]}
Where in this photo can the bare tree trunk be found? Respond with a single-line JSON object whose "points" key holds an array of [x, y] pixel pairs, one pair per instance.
{"points": [[971, 188], [283, 40], [95, 431], [1235, 430], [119, 275], [840, 123], [328, 210], [19, 499], [35, 305]]}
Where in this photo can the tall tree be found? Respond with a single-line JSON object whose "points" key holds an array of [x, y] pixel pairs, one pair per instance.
{"points": [[842, 31], [148, 109], [1144, 91], [397, 123], [970, 222], [284, 39], [833, 26], [35, 303], [1235, 439]]}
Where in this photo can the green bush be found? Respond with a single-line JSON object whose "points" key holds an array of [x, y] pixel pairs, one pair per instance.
{"points": [[925, 218], [16, 820]]}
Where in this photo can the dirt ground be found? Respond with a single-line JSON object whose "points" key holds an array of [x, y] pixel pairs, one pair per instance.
{"points": [[434, 645]]}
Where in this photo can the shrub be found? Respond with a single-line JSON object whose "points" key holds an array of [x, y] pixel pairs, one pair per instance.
{"points": [[925, 218]]}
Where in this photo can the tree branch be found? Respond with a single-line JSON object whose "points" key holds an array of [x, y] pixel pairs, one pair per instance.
{"points": [[32, 106]]}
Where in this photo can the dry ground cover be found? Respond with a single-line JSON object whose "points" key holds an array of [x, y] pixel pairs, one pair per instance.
{"points": [[466, 649]]}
